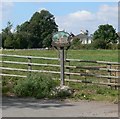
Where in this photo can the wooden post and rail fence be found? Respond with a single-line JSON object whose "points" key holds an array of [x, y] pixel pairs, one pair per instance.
{"points": [[107, 73]]}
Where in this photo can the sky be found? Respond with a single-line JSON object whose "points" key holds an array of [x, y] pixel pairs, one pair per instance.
{"points": [[69, 16]]}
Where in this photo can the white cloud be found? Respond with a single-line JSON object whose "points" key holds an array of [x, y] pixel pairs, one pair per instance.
{"points": [[74, 22], [82, 15], [108, 12], [5, 9], [6, 5], [82, 20]]}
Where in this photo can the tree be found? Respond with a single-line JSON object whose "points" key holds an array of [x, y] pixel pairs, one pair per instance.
{"points": [[35, 33], [7, 36], [21, 40], [104, 36], [44, 26], [38, 30]]}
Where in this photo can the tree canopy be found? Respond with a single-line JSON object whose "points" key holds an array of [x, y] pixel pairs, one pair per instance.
{"points": [[7, 36], [35, 33], [104, 36]]}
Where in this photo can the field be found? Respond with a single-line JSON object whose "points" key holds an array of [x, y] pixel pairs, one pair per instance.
{"points": [[87, 92], [103, 55]]}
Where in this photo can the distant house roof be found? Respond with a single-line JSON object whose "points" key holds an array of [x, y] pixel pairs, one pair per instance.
{"points": [[81, 36]]}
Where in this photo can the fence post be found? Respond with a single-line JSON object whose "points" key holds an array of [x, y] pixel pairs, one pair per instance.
{"points": [[68, 69], [109, 73], [29, 65]]}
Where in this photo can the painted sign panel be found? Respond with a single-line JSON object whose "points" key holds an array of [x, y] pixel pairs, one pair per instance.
{"points": [[61, 39]]}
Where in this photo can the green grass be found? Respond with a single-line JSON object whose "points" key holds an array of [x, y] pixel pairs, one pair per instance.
{"points": [[93, 92], [104, 55], [87, 92]]}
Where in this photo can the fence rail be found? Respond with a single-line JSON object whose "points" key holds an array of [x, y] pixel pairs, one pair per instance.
{"points": [[111, 67], [67, 60]]}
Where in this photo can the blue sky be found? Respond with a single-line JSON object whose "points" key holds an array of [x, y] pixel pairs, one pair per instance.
{"points": [[70, 16]]}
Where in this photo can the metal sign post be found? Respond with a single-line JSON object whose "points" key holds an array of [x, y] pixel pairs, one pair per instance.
{"points": [[61, 41]]}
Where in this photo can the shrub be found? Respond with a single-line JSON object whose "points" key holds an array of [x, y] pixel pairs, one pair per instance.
{"points": [[75, 44], [99, 44], [36, 85], [8, 84]]}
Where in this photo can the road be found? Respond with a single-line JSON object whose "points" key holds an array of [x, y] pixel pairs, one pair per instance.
{"points": [[18, 107]]}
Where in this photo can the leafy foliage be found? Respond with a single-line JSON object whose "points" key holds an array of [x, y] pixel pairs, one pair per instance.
{"points": [[76, 43], [7, 36], [37, 85], [104, 36], [35, 33]]}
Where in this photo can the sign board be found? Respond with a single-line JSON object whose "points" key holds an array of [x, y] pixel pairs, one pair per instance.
{"points": [[61, 39]]}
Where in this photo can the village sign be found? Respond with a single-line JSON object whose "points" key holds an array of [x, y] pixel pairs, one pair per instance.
{"points": [[61, 41]]}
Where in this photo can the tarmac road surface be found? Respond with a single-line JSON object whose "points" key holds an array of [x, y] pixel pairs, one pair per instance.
{"points": [[19, 107]]}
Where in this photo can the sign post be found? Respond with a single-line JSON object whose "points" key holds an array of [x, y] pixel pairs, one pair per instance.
{"points": [[62, 65], [61, 41]]}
